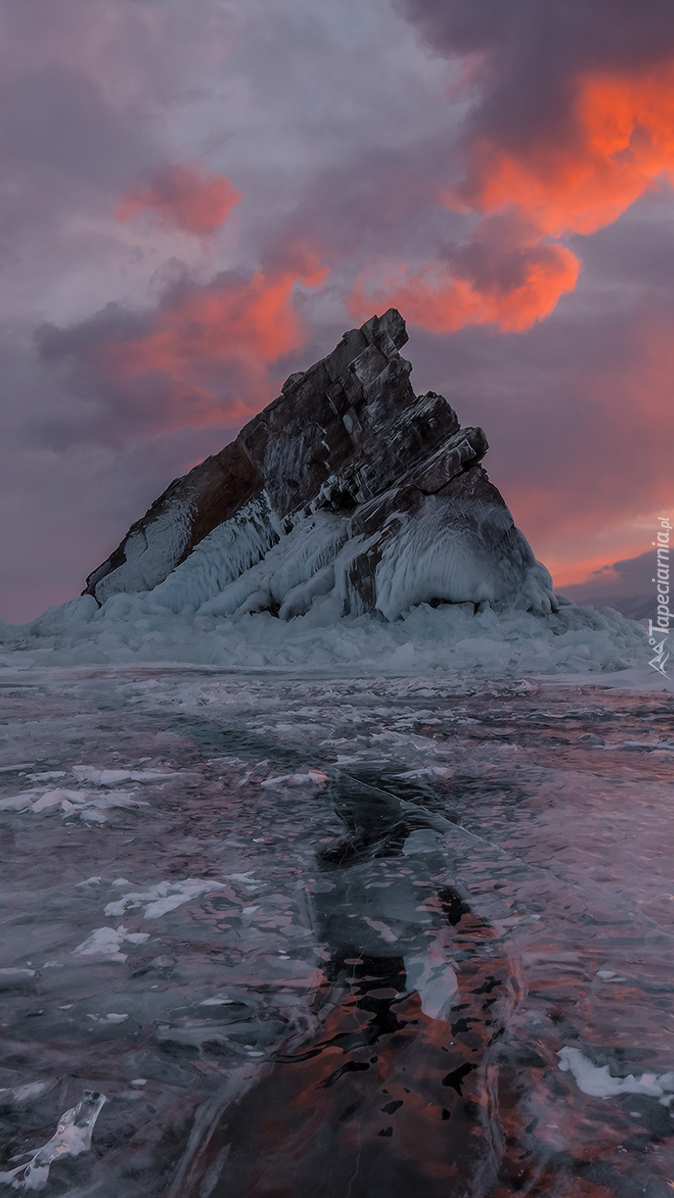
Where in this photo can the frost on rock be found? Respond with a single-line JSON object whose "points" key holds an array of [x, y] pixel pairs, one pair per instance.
{"points": [[147, 550], [349, 486]]}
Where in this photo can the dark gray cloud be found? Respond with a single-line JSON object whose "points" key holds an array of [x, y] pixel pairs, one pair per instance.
{"points": [[631, 578], [534, 48], [585, 30]]}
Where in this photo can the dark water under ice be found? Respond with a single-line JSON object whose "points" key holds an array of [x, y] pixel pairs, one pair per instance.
{"points": [[350, 938]]}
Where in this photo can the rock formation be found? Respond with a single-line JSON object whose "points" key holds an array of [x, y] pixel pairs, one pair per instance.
{"points": [[347, 486]]}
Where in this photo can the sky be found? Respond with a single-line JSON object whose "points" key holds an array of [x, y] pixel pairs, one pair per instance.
{"points": [[197, 200]]}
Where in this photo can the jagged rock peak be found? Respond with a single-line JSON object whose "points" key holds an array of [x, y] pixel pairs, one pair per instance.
{"points": [[347, 487]]}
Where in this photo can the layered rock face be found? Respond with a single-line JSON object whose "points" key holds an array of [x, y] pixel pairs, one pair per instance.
{"points": [[348, 487]]}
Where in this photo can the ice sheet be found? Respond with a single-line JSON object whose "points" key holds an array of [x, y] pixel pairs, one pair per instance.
{"points": [[377, 912]]}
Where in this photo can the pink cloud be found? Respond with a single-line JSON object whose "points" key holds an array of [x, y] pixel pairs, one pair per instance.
{"points": [[185, 196]]}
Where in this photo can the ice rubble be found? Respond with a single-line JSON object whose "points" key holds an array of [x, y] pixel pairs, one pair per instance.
{"points": [[82, 804], [129, 629], [85, 804]]}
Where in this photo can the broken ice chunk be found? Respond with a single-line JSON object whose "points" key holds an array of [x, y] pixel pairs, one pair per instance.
{"points": [[91, 816], [315, 777], [434, 981], [598, 1082], [56, 798], [18, 802], [99, 777], [106, 942], [11, 979], [72, 1138], [166, 895]]}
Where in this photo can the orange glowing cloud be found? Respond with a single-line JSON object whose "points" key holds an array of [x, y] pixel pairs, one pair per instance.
{"points": [[617, 141], [186, 197], [209, 348], [620, 140], [441, 301]]}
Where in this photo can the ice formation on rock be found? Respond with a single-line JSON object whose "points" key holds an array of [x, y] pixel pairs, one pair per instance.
{"points": [[347, 485]]}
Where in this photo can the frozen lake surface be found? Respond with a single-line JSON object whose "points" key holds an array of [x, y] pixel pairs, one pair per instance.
{"points": [[361, 938]]}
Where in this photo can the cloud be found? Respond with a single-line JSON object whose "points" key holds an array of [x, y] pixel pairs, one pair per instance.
{"points": [[631, 576], [571, 121], [200, 359], [618, 138], [502, 274], [186, 196]]}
